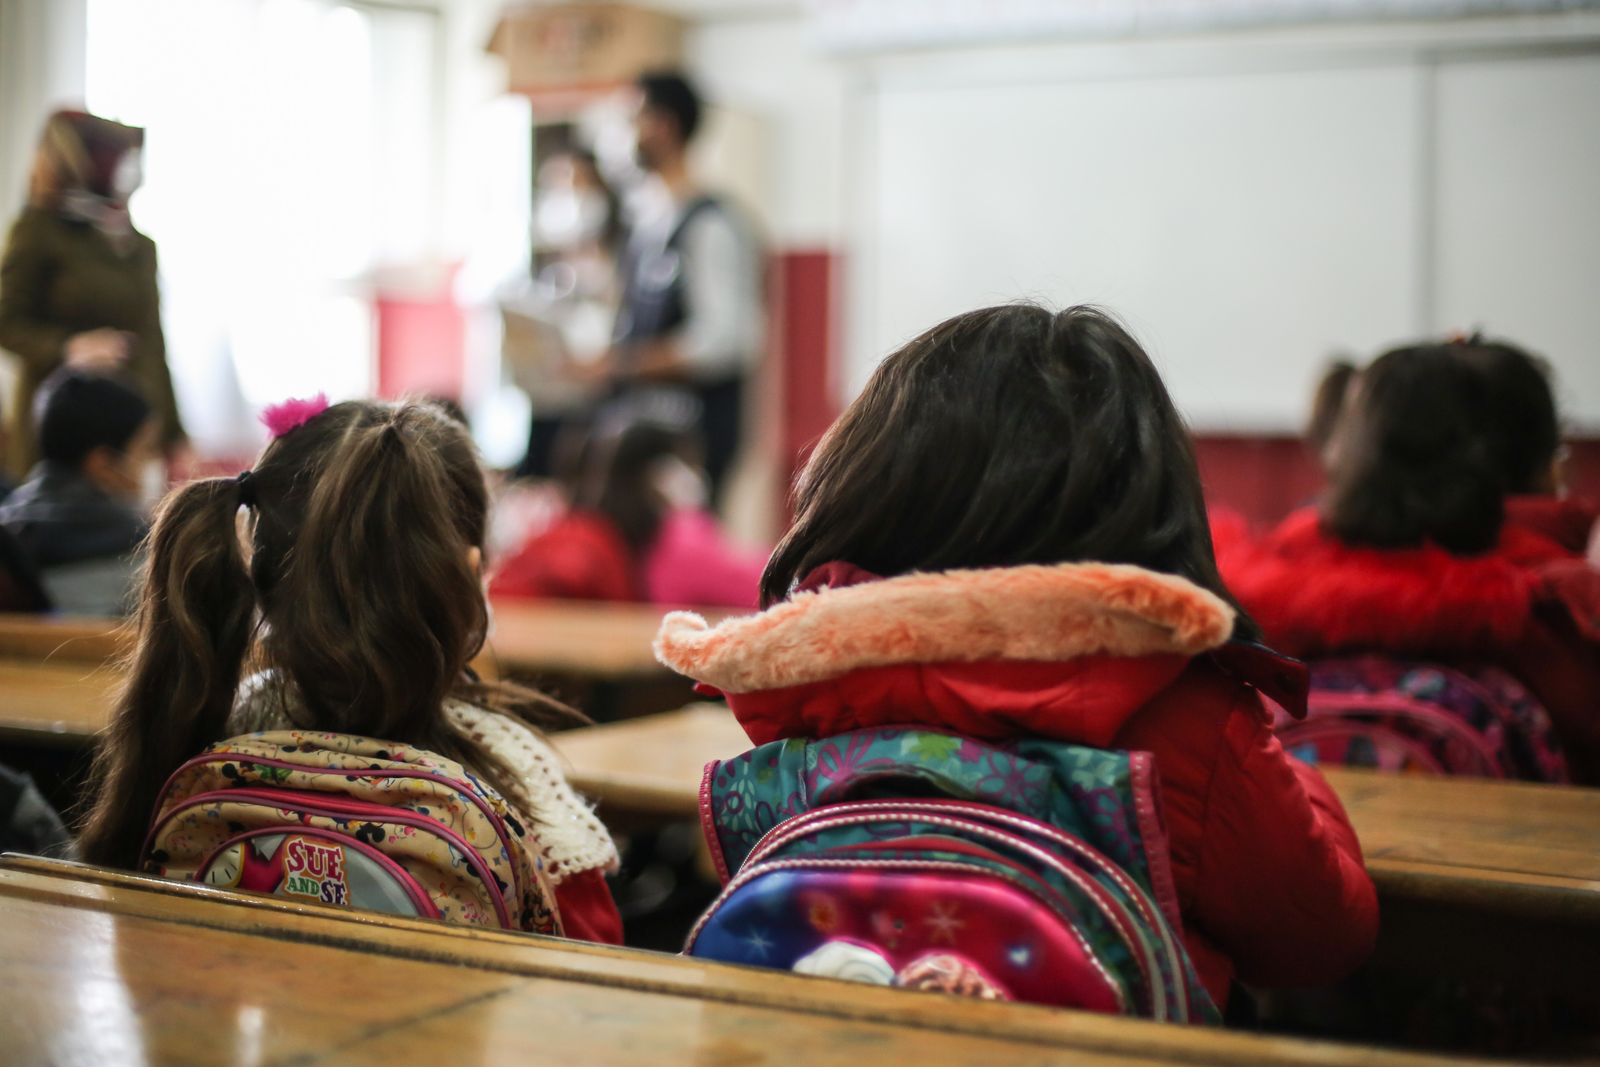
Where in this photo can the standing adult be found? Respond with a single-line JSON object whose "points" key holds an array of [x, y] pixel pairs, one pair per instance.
{"points": [[77, 281], [692, 303]]}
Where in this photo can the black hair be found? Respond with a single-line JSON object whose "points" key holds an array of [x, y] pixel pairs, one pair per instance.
{"points": [[77, 412], [1525, 424], [1411, 462], [671, 92], [1006, 436]]}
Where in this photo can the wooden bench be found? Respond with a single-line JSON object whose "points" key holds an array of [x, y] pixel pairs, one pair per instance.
{"points": [[1495, 880], [107, 967]]}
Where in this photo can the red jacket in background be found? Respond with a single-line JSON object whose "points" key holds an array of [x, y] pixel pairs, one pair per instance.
{"points": [[1529, 606], [1567, 520], [1269, 874], [582, 556]]}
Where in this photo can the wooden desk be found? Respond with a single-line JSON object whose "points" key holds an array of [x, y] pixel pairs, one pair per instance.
{"points": [[593, 639], [58, 675], [1499, 880], [55, 703], [102, 968], [58, 638], [594, 655]]}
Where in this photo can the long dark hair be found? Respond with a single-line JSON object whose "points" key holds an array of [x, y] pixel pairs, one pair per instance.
{"points": [[1005, 436], [1411, 462], [358, 594]]}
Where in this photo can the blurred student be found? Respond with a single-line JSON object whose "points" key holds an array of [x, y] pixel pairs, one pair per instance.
{"points": [[28, 824], [692, 306], [1005, 537], [79, 514], [77, 281], [1527, 428], [558, 321], [1409, 553], [637, 530], [366, 534]]}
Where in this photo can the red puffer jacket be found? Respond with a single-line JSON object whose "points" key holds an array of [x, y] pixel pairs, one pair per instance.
{"points": [[1270, 880], [581, 557], [1569, 521], [1530, 607]]}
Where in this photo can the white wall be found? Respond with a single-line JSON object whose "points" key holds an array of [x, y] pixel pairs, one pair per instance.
{"points": [[1250, 201], [41, 69], [764, 62], [1519, 210]]}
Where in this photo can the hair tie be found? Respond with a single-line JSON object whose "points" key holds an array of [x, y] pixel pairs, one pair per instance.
{"points": [[279, 419], [246, 485]]}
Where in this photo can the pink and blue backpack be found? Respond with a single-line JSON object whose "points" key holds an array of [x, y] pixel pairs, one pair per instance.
{"points": [[1423, 718], [351, 822], [1032, 871]]}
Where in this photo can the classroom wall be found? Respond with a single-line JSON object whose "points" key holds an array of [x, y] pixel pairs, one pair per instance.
{"points": [[1251, 202], [41, 68]]}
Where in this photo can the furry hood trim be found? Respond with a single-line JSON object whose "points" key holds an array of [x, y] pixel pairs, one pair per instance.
{"points": [[1050, 613]]}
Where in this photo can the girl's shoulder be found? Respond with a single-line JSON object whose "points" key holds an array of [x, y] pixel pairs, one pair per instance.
{"points": [[572, 838]]}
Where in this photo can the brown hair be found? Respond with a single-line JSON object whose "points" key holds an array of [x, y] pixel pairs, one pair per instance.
{"points": [[1005, 436], [357, 594]]}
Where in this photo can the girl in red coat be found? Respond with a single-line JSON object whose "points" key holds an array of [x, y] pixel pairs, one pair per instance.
{"points": [[1004, 536], [1410, 553], [637, 530]]}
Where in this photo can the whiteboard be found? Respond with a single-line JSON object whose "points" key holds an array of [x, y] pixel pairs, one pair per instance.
{"points": [[1519, 212], [1245, 225]]}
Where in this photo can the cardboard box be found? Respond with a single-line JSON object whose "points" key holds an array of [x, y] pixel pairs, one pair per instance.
{"points": [[566, 47]]}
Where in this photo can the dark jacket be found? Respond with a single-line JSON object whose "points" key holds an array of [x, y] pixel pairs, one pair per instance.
{"points": [[59, 278], [82, 542], [1269, 876]]}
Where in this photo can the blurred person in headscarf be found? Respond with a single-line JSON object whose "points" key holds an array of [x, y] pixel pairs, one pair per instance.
{"points": [[77, 281]]}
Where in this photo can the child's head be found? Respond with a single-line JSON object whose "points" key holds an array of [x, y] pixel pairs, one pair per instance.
{"points": [[1005, 436], [361, 589], [637, 459], [1527, 428], [1410, 461], [99, 425]]}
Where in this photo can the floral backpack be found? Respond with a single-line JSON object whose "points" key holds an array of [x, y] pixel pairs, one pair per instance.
{"points": [[1033, 872], [1424, 718], [349, 821]]}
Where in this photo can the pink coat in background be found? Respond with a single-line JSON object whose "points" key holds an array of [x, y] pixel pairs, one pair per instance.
{"points": [[693, 562]]}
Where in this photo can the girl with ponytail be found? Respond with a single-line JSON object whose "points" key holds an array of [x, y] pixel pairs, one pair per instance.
{"points": [[337, 587]]}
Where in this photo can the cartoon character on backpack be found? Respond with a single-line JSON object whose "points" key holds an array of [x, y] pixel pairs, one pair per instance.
{"points": [[1045, 892], [352, 822]]}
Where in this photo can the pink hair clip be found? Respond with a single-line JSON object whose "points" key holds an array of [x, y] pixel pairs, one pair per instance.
{"points": [[279, 419]]}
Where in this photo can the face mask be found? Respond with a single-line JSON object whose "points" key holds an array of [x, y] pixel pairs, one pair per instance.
{"points": [[568, 217], [682, 486], [129, 174], [152, 484]]}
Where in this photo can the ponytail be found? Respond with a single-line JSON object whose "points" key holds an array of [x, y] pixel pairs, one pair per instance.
{"points": [[378, 609], [194, 624]]}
